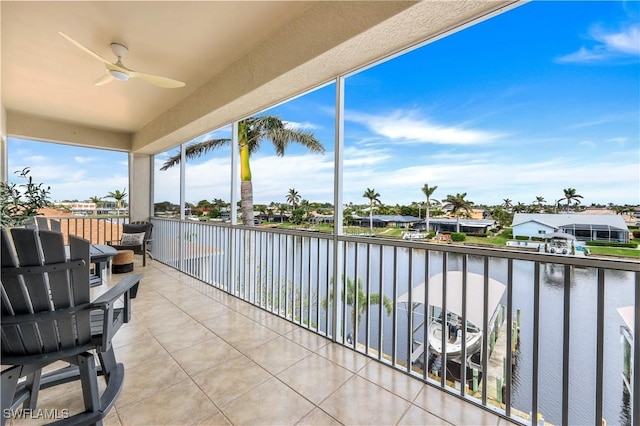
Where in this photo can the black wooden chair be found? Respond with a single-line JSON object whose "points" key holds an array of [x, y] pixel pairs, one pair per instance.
{"points": [[47, 316], [127, 242]]}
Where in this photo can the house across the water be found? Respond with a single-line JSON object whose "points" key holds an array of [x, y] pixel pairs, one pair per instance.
{"points": [[384, 220], [468, 226], [582, 226]]}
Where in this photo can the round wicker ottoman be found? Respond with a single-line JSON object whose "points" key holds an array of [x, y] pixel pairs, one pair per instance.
{"points": [[122, 262]]}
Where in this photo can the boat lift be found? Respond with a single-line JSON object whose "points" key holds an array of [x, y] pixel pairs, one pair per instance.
{"points": [[627, 332], [474, 313]]}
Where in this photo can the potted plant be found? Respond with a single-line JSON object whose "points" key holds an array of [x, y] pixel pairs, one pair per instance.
{"points": [[19, 203]]}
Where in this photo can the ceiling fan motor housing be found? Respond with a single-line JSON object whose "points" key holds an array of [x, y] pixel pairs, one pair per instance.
{"points": [[119, 50]]}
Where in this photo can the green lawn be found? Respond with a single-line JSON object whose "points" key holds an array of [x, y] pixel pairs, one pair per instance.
{"points": [[615, 251], [499, 240]]}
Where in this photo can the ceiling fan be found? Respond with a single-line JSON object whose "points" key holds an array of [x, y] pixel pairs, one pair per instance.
{"points": [[117, 71]]}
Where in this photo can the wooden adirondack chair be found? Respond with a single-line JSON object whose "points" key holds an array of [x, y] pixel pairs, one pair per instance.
{"points": [[46, 224], [47, 316]]}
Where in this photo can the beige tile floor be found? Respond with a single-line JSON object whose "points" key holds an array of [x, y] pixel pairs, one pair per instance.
{"points": [[197, 356]]}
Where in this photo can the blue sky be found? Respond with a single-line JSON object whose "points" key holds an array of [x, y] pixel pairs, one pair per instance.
{"points": [[535, 100]]}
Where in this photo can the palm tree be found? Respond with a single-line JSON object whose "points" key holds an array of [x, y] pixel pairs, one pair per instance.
{"points": [[630, 211], [570, 195], [293, 198], [362, 302], [282, 209], [540, 201], [428, 192], [374, 198], [458, 203], [97, 201], [263, 211], [251, 132], [118, 196], [304, 204], [519, 208], [507, 204]]}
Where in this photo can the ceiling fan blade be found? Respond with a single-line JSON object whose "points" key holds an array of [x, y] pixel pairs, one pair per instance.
{"points": [[89, 51], [103, 80], [165, 82]]}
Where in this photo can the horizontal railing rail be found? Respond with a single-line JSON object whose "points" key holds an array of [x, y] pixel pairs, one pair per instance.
{"points": [[97, 229], [526, 335]]}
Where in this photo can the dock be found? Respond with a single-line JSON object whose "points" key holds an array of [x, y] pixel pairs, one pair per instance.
{"points": [[497, 365], [497, 359]]}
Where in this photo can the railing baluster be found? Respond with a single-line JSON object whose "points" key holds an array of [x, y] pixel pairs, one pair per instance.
{"points": [[343, 296], [599, 346], [427, 312], [356, 293], [565, 344], [293, 255], [509, 362], [367, 338], [277, 297], [443, 327], [394, 326], [409, 312], [328, 286], [485, 331], [309, 288], [317, 286], [380, 307], [301, 280], [286, 277], [635, 386], [463, 356]]}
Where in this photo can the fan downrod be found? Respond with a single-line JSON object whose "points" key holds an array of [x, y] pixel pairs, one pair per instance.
{"points": [[120, 50]]}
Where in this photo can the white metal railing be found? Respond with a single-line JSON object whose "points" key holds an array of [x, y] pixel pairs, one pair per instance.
{"points": [[96, 229], [551, 347]]}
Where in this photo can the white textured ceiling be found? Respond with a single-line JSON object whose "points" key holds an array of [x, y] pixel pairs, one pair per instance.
{"points": [[236, 57], [44, 74]]}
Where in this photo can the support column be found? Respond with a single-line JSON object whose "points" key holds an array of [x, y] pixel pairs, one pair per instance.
{"points": [[140, 190], [337, 208]]}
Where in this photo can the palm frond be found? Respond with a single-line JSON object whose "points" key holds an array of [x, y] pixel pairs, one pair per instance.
{"points": [[282, 137], [195, 150]]}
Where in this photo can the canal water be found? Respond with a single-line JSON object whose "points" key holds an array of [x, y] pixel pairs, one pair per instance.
{"points": [[391, 270], [582, 341]]}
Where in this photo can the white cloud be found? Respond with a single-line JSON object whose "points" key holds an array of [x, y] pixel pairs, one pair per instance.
{"points": [[621, 141], [88, 186], [301, 126], [582, 55], [403, 127], [587, 144], [84, 160], [598, 121], [358, 157], [310, 174], [625, 42], [484, 182], [33, 159], [485, 178]]}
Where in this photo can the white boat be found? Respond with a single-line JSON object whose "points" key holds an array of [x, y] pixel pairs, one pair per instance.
{"points": [[474, 312], [453, 338], [559, 243]]}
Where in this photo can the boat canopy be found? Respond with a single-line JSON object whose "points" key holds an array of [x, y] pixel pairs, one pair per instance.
{"points": [[562, 235], [475, 294], [626, 312]]}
